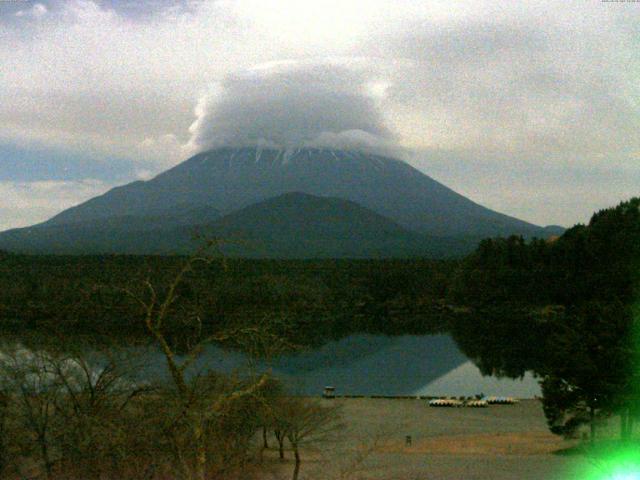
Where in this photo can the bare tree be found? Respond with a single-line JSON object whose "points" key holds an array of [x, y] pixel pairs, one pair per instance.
{"points": [[70, 414], [99, 434], [279, 432], [4, 427], [28, 379], [89, 417], [198, 405], [306, 422]]}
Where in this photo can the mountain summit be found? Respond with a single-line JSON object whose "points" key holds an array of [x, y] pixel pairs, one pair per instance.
{"points": [[222, 182]]}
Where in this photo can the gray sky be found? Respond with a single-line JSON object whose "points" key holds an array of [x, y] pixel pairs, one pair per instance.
{"points": [[530, 108]]}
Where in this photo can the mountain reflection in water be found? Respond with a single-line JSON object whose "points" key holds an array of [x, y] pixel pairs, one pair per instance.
{"points": [[361, 364], [367, 364]]}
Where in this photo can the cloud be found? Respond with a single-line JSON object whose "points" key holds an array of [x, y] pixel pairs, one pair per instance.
{"points": [[514, 84], [167, 147], [290, 104], [27, 203], [507, 77], [38, 10], [543, 191], [529, 83]]}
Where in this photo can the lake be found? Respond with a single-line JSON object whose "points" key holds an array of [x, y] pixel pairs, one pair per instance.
{"points": [[366, 364], [363, 364]]}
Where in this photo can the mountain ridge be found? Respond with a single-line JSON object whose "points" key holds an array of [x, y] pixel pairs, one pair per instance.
{"points": [[331, 196], [230, 179], [292, 225]]}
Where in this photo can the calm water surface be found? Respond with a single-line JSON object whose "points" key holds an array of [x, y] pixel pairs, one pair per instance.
{"points": [[360, 364]]}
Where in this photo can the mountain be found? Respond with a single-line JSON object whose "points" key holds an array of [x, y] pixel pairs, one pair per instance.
{"points": [[347, 204], [292, 225], [305, 226], [229, 179]]}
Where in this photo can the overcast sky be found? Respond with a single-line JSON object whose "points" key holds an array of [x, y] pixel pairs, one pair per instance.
{"points": [[530, 108]]}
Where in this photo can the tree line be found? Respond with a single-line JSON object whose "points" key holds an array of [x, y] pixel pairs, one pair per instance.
{"points": [[322, 299], [565, 309]]}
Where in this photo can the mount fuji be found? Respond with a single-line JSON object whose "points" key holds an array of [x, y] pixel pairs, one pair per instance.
{"points": [[306, 202]]}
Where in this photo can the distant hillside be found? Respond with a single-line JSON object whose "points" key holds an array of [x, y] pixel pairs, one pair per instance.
{"points": [[298, 225], [293, 225]]}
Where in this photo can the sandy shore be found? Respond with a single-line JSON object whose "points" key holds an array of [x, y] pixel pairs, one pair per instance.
{"points": [[498, 443]]}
